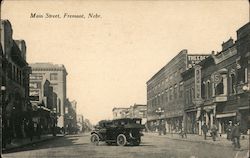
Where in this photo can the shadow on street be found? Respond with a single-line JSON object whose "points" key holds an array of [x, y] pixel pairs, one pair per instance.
{"points": [[69, 140]]}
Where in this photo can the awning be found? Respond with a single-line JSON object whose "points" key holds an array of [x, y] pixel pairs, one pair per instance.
{"points": [[226, 115]]}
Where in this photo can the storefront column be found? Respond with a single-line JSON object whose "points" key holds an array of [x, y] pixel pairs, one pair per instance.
{"points": [[167, 127], [207, 119], [211, 119], [199, 124], [220, 127]]}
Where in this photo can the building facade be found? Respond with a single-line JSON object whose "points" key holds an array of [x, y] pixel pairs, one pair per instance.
{"points": [[121, 113], [70, 117], [217, 89], [43, 101], [165, 91], [15, 80], [56, 75]]}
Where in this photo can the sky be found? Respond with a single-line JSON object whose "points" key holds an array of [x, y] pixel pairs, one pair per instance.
{"points": [[109, 59]]}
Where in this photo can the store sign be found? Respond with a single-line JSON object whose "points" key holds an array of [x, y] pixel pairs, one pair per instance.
{"points": [[197, 82], [216, 78]]}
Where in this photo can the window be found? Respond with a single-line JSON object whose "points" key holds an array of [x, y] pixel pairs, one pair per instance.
{"points": [[53, 76], [219, 88], [203, 90], [175, 91], [233, 81], [242, 75], [181, 90], [170, 93], [166, 95]]}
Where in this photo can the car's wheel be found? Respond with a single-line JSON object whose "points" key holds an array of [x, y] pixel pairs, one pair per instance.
{"points": [[94, 139], [121, 140]]}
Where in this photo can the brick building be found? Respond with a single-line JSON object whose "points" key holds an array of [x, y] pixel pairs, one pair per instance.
{"points": [[56, 75], [217, 89], [43, 101], [165, 91], [121, 113], [15, 79]]}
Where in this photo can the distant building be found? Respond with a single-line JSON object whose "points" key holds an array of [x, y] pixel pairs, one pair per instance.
{"points": [[165, 91], [43, 101], [121, 113], [80, 123], [56, 75], [135, 111], [70, 116], [15, 80]]}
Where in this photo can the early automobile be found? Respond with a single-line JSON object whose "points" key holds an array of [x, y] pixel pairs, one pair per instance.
{"points": [[126, 131]]}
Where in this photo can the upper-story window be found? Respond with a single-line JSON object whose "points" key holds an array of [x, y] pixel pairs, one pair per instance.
{"points": [[170, 93], [233, 82], [242, 75], [53, 76], [175, 91], [219, 89], [181, 90], [203, 90], [166, 95]]}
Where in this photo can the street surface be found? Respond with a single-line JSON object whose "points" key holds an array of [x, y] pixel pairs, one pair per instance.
{"points": [[153, 146]]}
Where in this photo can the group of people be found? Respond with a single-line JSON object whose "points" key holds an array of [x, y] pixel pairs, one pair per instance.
{"points": [[233, 133], [213, 132]]}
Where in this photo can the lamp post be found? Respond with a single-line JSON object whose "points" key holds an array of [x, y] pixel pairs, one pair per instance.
{"points": [[159, 111], [54, 116]]}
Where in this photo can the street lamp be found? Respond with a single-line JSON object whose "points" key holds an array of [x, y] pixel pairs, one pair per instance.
{"points": [[159, 111]]}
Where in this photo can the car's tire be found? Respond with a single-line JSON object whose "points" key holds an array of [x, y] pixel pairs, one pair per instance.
{"points": [[121, 140], [95, 139]]}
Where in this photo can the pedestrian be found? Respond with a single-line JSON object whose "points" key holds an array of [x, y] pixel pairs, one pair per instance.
{"points": [[236, 135], [38, 130], [30, 129], [205, 130], [214, 131], [183, 133], [229, 131]]}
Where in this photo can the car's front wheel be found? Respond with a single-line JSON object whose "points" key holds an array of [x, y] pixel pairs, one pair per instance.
{"points": [[94, 139], [121, 140]]}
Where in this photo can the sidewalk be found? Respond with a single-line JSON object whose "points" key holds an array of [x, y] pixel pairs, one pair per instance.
{"points": [[197, 138], [18, 143]]}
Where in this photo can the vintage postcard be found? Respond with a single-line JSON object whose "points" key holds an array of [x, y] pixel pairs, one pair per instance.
{"points": [[125, 79]]}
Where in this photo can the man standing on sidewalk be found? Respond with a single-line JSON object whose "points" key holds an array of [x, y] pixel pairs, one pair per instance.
{"points": [[205, 130], [236, 135], [229, 130]]}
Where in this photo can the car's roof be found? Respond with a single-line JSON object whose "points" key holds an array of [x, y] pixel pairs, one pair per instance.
{"points": [[127, 119]]}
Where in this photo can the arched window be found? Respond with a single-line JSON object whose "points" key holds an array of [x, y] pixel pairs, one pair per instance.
{"points": [[233, 82], [203, 90], [219, 88]]}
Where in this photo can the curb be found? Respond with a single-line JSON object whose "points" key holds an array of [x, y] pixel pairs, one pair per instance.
{"points": [[8, 150]]}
